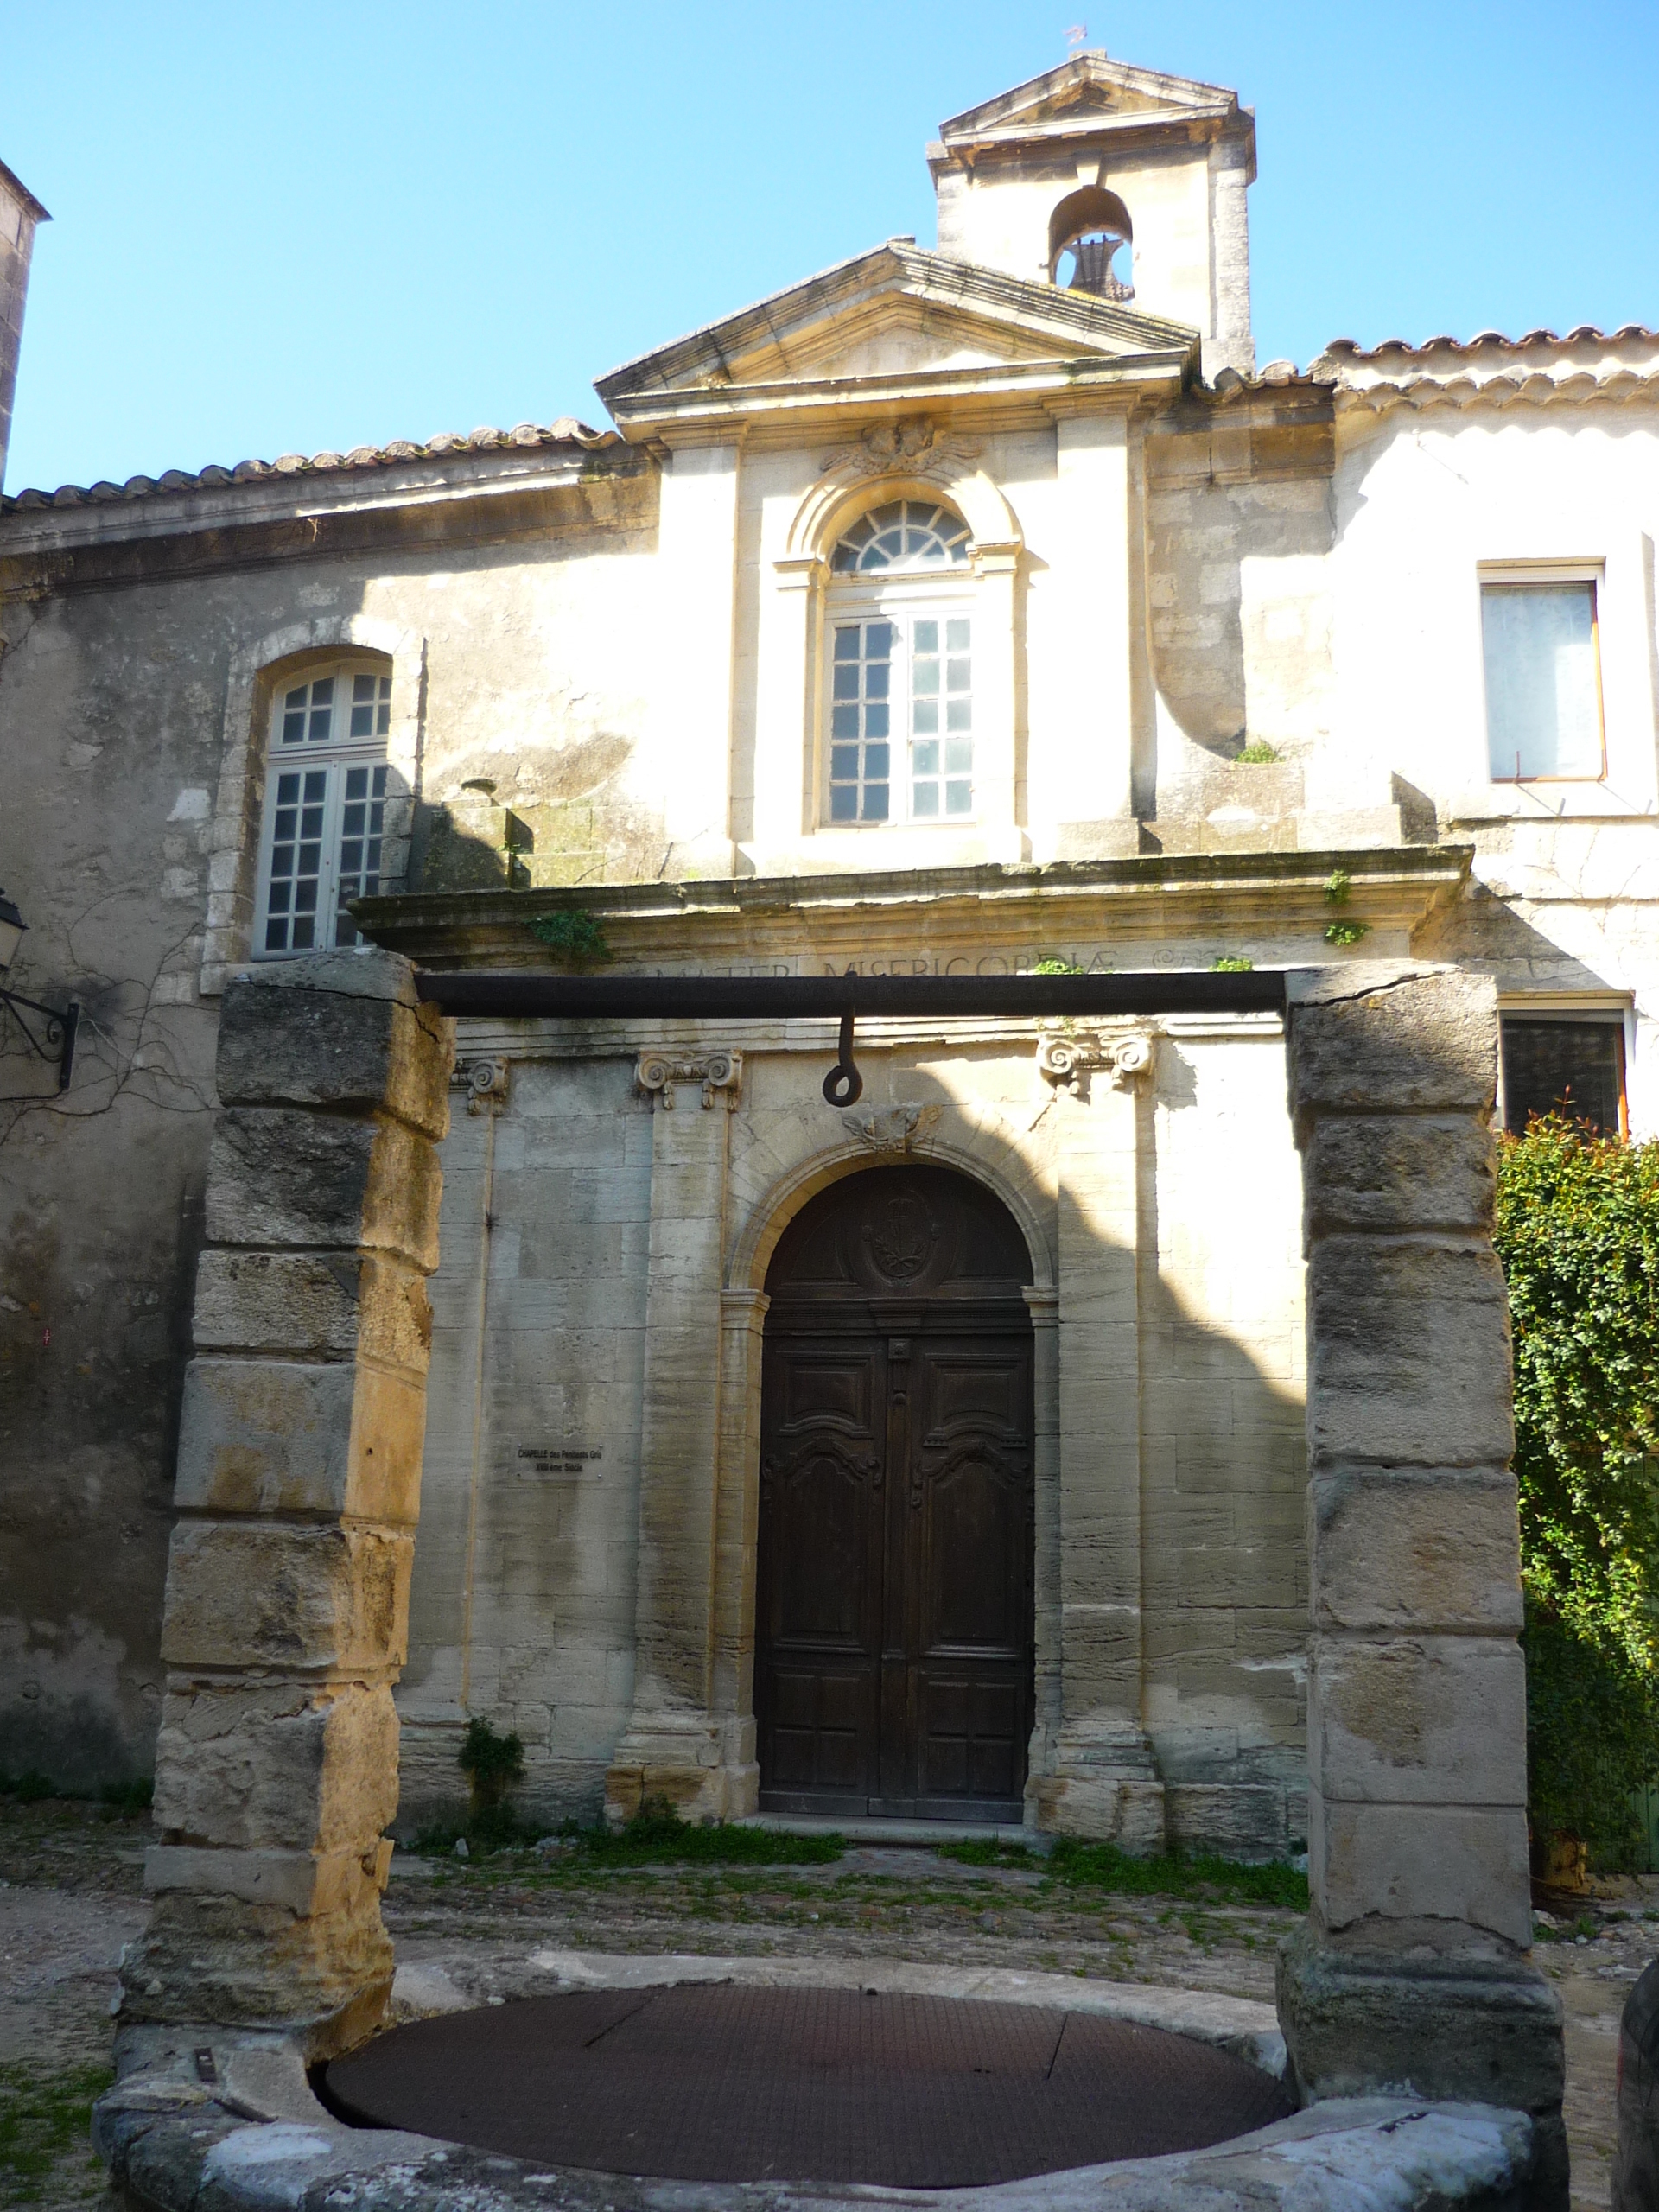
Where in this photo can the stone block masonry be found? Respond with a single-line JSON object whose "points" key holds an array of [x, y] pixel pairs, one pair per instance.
{"points": [[1413, 1971], [297, 1493]]}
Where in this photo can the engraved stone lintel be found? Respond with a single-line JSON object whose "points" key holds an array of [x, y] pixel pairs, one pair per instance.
{"points": [[890, 1128], [720, 1075], [1067, 1060]]}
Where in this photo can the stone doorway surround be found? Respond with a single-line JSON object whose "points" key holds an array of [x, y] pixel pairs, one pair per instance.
{"points": [[287, 1601]]}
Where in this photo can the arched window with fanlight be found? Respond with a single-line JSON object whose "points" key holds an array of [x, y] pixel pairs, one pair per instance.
{"points": [[900, 672], [324, 828]]}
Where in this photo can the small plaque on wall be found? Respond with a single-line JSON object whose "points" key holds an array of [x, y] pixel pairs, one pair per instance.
{"points": [[562, 1462]]}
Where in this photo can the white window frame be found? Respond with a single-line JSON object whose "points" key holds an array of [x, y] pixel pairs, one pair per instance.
{"points": [[903, 599], [333, 757], [1541, 574]]}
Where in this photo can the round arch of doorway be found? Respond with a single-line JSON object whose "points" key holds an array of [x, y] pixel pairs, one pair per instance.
{"points": [[999, 1169]]}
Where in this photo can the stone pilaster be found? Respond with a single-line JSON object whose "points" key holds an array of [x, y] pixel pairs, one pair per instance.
{"points": [[675, 1745], [1101, 1780], [298, 1490], [1413, 1970]]}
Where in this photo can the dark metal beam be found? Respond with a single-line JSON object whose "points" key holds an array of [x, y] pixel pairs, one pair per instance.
{"points": [[507, 993]]}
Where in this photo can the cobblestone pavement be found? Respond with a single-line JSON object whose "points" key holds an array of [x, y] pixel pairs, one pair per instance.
{"points": [[72, 1896]]}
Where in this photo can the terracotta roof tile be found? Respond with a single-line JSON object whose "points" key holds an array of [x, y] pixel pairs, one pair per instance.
{"points": [[565, 432]]}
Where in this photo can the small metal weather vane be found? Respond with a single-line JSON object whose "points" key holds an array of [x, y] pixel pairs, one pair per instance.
{"points": [[1076, 36]]}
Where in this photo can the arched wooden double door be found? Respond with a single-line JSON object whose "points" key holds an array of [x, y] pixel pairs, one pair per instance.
{"points": [[893, 1634]]}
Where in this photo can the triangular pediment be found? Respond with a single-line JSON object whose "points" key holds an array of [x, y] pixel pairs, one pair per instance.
{"points": [[898, 313], [1089, 87]]}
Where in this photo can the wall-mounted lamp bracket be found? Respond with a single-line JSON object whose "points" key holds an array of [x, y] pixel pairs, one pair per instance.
{"points": [[57, 1041]]}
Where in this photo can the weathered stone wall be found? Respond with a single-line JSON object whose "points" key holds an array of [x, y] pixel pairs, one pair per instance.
{"points": [[119, 720], [1165, 1214]]}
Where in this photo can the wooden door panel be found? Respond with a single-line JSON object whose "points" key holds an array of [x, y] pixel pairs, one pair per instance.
{"points": [[972, 1737], [821, 1515], [835, 1390], [982, 1390], [973, 1569]]}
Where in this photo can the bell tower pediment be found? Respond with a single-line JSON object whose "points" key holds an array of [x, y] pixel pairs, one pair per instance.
{"points": [[1120, 182]]}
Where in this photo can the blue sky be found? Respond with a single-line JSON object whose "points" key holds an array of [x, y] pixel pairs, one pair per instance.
{"points": [[289, 227]]}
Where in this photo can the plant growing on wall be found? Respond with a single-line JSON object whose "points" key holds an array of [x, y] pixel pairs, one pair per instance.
{"points": [[1257, 753], [494, 1766], [1232, 963], [1578, 1233], [572, 931]]}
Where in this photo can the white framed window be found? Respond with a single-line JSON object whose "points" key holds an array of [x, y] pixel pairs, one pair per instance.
{"points": [[326, 791], [900, 669], [1541, 647]]}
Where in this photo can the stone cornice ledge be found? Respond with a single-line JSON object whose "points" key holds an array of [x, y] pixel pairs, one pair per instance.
{"points": [[722, 918], [254, 2136]]}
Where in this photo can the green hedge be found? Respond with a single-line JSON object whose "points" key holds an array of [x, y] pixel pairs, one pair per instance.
{"points": [[1578, 1233]]}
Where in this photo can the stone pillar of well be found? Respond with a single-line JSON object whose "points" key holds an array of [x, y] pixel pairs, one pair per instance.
{"points": [[298, 1490], [1414, 1972]]}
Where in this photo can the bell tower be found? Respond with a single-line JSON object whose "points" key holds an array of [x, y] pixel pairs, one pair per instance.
{"points": [[1114, 181]]}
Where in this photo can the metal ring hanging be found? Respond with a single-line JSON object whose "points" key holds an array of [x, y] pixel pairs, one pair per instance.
{"points": [[843, 1085]]}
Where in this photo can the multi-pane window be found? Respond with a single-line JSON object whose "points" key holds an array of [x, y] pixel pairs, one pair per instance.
{"points": [[1543, 680], [902, 719], [1575, 1069], [325, 809], [901, 670]]}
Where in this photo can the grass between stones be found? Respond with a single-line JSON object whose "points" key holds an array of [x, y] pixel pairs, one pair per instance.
{"points": [[44, 2119]]}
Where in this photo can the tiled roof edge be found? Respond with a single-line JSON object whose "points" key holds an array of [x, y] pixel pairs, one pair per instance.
{"points": [[567, 431], [1349, 349]]}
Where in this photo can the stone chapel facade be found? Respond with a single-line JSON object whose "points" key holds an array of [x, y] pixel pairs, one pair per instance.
{"points": [[959, 609]]}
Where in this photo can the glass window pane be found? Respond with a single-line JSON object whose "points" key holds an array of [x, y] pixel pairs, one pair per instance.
{"points": [[1543, 712], [957, 677], [924, 637], [958, 632], [958, 755], [925, 678], [845, 681], [843, 803], [847, 643], [362, 687], [874, 807], [351, 859], [958, 713], [926, 800], [282, 859], [843, 721], [877, 675], [378, 786], [958, 798], [924, 717], [293, 729], [878, 638], [288, 789], [875, 761], [924, 757], [382, 721], [1572, 1068], [316, 786], [357, 783], [875, 722], [280, 894], [287, 820], [294, 702], [844, 763], [322, 691], [310, 861], [362, 721], [305, 933]]}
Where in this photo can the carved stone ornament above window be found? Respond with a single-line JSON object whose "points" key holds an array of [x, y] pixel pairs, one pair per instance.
{"points": [[913, 446], [1067, 1061], [720, 1075]]}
